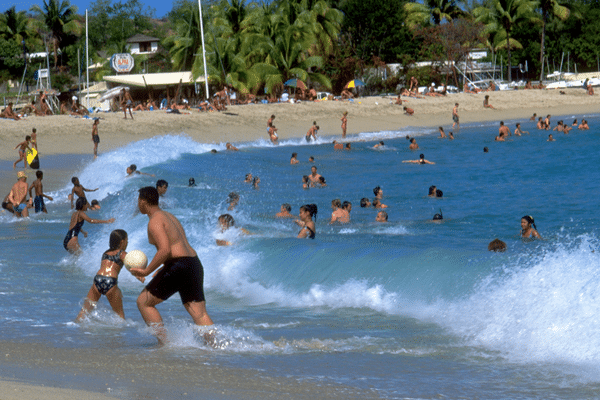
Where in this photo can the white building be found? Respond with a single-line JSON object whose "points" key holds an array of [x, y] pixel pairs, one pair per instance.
{"points": [[142, 44]]}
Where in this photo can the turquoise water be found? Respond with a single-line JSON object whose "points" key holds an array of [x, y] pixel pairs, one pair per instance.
{"points": [[411, 308]]}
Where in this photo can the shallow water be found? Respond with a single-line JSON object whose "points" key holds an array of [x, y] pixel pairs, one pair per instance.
{"points": [[411, 308]]}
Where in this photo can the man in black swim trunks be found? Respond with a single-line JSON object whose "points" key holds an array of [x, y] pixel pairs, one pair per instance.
{"points": [[95, 137], [182, 271]]}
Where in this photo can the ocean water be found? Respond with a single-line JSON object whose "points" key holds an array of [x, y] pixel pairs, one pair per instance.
{"points": [[409, 309]]}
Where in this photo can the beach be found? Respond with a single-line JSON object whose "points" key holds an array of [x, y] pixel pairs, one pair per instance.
{"points": [[63, 134], [137, 370]]}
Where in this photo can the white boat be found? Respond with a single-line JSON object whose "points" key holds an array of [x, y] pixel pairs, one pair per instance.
{"points": [[110, 93]]}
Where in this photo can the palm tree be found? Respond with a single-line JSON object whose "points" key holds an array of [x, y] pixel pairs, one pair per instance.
{"points": [[549, 7], [421, 14], [15, 25], [58, 20], [506, 14]]}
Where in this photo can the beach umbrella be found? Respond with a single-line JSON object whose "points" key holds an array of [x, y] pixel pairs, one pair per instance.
{"points": [[295, 83], [354, 83]]}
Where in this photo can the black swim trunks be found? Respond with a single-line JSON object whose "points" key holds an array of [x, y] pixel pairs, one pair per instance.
{"points": [[96, 138], [184, 275]]}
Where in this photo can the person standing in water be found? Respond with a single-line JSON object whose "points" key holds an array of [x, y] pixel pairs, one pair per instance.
{"points": [[182, 270], [308, 230], [344, 123], [71, 242], [528, 228]]}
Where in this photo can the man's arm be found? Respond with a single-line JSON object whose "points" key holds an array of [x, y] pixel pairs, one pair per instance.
{"points": [[89, 190], [30, 188], [156, 230]]}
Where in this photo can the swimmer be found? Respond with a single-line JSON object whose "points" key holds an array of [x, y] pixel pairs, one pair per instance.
{"points": [[528, 228], [364, 202], [380, 144], [533, 117], [346, 205], [584, 125], [305, 182], [378, 192], [438, 217], [550, 138], [233, 199], [248, 178], [486, 150], [518, 131], [226, 221], [500, 138], [314, 177], [132, 169], [413, 144], [95, 205], [71, 242], [378, 204], [191, 182], [18, 195], [308, 230], [450, 135], [540, 124], [105, 281], [311, 159], [337, 146], [312, 132], [421, 160], [230, 147], [294, 159], [162, 186], [442, 134], [322, 182], [503, 130], [382, 216], [432, 191], [273, 135], [348, 146], [78, 190], [497, 245], [285, 211], [255, 182], [339, 214], [573, 124], [39, 193]]}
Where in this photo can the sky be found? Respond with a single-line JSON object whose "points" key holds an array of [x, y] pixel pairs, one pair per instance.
{"points": [[162, 7]]}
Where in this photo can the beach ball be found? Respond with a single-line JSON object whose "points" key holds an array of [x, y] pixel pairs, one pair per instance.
{"points": [[135, 259]]}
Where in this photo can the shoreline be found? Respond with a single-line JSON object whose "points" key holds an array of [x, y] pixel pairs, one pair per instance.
{"points": [[63, 134]]}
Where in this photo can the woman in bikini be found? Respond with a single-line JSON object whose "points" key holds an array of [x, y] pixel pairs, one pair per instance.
{"points": [[105, 281], [528, 228], [308, 230], [71, 243]]}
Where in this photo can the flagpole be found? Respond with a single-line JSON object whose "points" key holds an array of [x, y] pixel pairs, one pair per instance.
{"points": [[87, 60], [203, 48]]}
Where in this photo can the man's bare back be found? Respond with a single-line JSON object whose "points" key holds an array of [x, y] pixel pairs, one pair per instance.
{"points": [[164, 226]]}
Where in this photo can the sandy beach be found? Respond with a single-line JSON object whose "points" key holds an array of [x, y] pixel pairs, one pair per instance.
{"points": [[68, 374], [63, 134]]}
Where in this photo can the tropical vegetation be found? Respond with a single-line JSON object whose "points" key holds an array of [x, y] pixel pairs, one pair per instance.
{"points": [[256, 47]]}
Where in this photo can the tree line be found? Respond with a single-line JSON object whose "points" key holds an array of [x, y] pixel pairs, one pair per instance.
{"points": [[257, 46]]}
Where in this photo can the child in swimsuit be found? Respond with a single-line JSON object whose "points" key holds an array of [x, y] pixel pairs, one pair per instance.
{"points": [[105, 281]]}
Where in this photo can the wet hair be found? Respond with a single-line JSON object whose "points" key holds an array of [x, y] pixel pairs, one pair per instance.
{"points": [[385, 215], [149, 194], [439, 193], [345, 204], [376, 190], [412, 140], [27, 137], [294, 155], [311, 208], [39, 174], [431, 190], [287, 206], [315, 123], [162, 182], [305, 179], [214, 151], [311, 159], [497, 245], [322, 179], [35, 130], [115, 239], [337, 203], [95, 203], [273, 116], [381, 143], [74, 179], [233, 196], [314, 166], [439, 216], [376, 202], [228, 219], [255, 180], [486, 150], [421, 156], [248, 175], [530, 221], [192, 182], [133, 167], [80, 203], [363, 202], [441, 129]]}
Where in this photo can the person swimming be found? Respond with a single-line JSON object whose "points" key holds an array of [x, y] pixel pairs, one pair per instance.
{"points": [[438, 217], [528, 228], [308, 230]]}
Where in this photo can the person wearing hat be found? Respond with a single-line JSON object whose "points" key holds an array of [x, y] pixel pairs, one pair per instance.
{"points": [[18, 195]]}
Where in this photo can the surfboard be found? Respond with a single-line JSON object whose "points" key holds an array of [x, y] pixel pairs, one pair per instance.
{"points": [[32, 159]]}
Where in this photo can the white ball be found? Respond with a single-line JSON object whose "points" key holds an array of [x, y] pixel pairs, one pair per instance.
{"points": [[135, 259]]}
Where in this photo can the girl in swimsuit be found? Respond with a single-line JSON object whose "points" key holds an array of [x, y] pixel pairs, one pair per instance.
{"points": [[308, 230], [105, 281], [71, 243], [528, 228]]}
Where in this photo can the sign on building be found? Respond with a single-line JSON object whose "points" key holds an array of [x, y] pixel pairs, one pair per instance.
{"points": [[122, 62]]}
